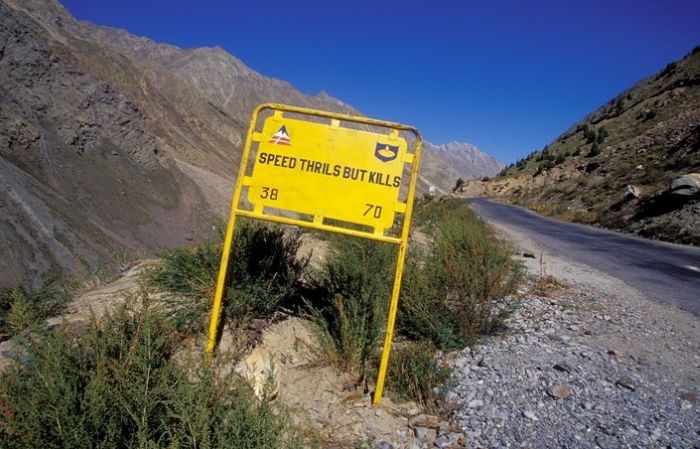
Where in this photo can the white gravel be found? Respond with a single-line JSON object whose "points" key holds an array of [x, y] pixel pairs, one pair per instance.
{"points": [[592, 365]]}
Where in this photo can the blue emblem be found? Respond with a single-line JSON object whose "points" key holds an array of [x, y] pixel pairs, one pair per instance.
{"points": [[385, 152]]}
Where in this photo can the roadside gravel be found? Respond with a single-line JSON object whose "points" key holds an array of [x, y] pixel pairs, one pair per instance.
{"points": [[591, 365]]}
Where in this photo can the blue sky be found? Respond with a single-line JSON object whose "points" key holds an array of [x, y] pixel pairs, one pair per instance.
{"points": [[507, 76]]}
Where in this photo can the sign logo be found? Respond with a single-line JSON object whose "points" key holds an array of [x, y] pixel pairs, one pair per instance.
{"points": [[385, 152], [281, 137]]}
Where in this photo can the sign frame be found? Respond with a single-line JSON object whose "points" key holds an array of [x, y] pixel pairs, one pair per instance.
{"points": [[406, 208]]}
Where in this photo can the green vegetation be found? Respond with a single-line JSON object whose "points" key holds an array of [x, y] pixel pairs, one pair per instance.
{"points": [[21, 309], [265, 275], [595, 150], [351, 301], [462, 287], [126, 382], [119, 385], [454, 291], [415, 375]]}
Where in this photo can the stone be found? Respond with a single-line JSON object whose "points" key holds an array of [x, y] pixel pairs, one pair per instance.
{"points": [[632, 191], [415, 444], [689, 397], [686, 185], [424, 420], [529, 414], [563, 367], [411, 409], [384, 445], [425, 434], [442, 441], [559, 391], [475, 403], [626, 382]]}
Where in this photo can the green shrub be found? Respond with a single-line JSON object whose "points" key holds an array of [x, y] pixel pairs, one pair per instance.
{"points": [[462, 288], [351, 300], [21, 309], [264, 274], [589, 134], [117, 385], [415, 375], [649, 115], [595, 150], [422, 314], [602, 134]]}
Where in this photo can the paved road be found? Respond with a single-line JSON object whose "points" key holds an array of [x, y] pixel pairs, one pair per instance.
{"points": [[664, 272]]}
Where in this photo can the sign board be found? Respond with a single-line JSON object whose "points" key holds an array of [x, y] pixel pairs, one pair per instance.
{"points": [[327, 171]]}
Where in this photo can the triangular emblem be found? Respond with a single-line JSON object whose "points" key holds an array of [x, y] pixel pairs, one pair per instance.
{"points": [[281, 137]]}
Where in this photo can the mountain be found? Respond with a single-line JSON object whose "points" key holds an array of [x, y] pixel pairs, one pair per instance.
{"points": [[114, 147], [444, 164], [633, 165]]}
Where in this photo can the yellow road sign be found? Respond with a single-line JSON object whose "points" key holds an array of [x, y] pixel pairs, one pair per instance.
{"points": [[326, 171]]}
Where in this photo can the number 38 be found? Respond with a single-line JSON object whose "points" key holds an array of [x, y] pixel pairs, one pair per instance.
{"points": [[268, 193]]}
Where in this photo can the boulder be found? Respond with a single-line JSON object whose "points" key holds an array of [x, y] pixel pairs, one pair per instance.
{"points": [[632, 191], [260, 372], [686, 185]]}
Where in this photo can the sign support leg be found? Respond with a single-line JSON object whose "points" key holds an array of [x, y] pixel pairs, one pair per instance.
{"points": [[384, 364], [220, 285]]}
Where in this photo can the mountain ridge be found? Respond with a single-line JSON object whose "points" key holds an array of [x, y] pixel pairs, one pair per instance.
{"points": [[620, 166], [108, 155]]}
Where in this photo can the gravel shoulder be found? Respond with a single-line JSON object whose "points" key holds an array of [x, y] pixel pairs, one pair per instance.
{"points": [[593, 364]]}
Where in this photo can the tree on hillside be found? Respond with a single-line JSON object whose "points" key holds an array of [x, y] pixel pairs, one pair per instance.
{"points": [[458, 184], [595, 150]]}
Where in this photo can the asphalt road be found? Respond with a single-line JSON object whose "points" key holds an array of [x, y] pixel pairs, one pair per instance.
{"points": [[664, 272]]}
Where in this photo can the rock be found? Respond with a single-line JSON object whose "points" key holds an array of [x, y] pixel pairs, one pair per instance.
{"points": [[261, 373], [451, 396], [475, 403], [411, 409], [442, 441], [424, 420], [686, 185], [528, 255], [689, 397], [425, 434], [559, 391], [631, 191], [529, 414], [563, 367], [415, 444], [626, 382], [384, 445]]}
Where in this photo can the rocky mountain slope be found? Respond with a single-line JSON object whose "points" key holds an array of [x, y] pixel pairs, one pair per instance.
{"points": [[445, 164], [633, 165], [113, 146]]}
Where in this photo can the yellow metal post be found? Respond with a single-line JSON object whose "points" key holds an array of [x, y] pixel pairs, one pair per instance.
{"points": [[220, 284], [228, 239], [401, 258]]}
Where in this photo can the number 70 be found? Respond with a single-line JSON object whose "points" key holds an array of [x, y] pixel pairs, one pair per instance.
{"points": [[376, 211]]}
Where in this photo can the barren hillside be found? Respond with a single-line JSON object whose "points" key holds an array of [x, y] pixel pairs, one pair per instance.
{"points": [[633, 165]]}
